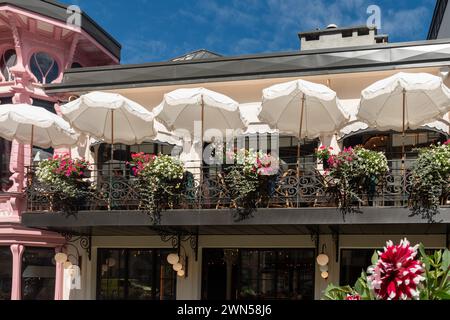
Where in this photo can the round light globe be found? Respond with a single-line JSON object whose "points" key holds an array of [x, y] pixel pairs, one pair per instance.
{"points": [[104, 267], [67, 265], [181, 273], [324, 275], [173, 258], [60, 257], [111, 262], [177, 266], [322, 259], [323, 268]]}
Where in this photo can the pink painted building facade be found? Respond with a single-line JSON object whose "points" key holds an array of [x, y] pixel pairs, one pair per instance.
{"points": [[39, 40]]}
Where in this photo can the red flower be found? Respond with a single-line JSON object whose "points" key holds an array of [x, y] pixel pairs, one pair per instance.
{"points": [[353, 297], [397, 273], [447, 142]]}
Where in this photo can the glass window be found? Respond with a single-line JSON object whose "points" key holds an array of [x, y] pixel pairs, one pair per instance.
{"points": [[44, 67], [135, 274], [353, 262], [38, 274], [5, 173], [285, 274], [5, 273], [8, 60]]}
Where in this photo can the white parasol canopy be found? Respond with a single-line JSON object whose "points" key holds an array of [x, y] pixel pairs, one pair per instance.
{"points": [[302, 108], [404, 100], [181, 108], [110, 117], [35, 126]]}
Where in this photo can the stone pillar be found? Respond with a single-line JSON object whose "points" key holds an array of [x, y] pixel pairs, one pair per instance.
{"points": [[16, 288], [59, 278]]}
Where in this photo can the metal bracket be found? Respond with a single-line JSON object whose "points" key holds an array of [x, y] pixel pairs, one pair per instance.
{"points": [[85, 242], [315, 237], [177, 237]]}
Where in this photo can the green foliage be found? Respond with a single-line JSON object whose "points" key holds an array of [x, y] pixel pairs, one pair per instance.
{"points": [[430, 180], [355, 172], [249, 179], [437, 275], [61, 181], [159, 184]]}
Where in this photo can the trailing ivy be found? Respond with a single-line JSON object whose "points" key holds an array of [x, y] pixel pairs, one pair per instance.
{"points": [[159, 182], [430, 180], [354, 173]]}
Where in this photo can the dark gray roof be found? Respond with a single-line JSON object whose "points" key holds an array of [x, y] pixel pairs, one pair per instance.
{"points": [[58, 11], [436, 21], [197, 55], [336, 30], [291, 64]]}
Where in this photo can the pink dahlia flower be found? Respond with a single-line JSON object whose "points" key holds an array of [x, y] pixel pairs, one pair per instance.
{"points": [[353, 297], [397, 273]]}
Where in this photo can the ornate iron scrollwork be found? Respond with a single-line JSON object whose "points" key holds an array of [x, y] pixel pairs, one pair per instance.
{"points": [[84, 241], [177, 238]]}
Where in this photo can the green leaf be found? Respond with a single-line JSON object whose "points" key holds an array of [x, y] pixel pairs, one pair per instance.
{"points": [[374, 258], [445, 260], [422, 251], [437, 256]]}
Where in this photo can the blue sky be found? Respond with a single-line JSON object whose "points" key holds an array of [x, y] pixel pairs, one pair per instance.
{"points": [[157, 30]]}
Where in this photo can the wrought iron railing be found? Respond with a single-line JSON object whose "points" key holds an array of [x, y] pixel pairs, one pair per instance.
{"points": [[288, 189]]}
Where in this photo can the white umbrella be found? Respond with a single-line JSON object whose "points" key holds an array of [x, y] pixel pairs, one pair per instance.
{"points": [[181, 108], [404, 100], [36, 126], [303, 109], [110, 117]]}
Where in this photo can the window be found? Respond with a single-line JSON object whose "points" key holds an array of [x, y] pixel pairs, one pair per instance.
{"points": [[135, 274], [5, 173], [353, 262], [285, 274], [5, 273], [8, 60], [38, 274], [44, 67]]}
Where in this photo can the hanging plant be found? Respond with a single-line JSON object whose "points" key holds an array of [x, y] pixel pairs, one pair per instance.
{"points": [[61, 181], [400, 272], [323, 154], [159, 182], [355, 172], [430, 180], [250, 180]]}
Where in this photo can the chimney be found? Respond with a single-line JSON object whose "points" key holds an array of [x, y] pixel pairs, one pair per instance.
{"points": [[334, 37]]}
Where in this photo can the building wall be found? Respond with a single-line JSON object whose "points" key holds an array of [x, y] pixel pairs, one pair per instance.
{"points": [[190, 288]]}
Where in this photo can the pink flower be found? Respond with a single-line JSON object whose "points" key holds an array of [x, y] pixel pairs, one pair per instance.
{"points": [[353, 297], [397, 272], [322, 147], [447, 142]]}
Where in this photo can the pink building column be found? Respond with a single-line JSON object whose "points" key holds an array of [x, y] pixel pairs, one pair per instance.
{"points": [[59, 278], [16, 288]]}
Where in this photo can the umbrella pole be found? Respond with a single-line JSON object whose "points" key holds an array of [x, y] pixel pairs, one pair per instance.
{"points": [[112, 159], [202, 116], [300, 135]]}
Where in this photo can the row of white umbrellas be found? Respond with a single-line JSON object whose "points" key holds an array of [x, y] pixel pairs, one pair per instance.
{"points": [[299, 107]]}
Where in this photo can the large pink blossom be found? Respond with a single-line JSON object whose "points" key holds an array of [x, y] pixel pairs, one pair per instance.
{"points": [[398, 272]]}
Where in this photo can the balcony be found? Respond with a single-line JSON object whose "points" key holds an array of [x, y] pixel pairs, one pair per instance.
{"points": [[308, 189]]}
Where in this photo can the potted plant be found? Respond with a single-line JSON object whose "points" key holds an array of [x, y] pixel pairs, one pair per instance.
{"points": [[323, 154], [62, 181], [353, 173], [251, 180], [160, 180], [430, 180]]}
